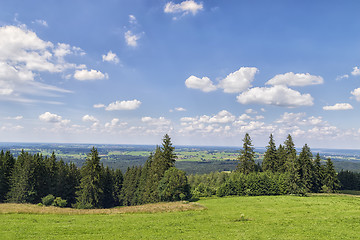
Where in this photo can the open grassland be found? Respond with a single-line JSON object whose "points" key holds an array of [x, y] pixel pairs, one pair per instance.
{"points": [[264, 217]]}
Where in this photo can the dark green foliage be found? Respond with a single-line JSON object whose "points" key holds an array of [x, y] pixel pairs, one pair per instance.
{"points": [[7, 162], [48, 200], [174, 186], [129, 194], [318, 175], [282, 158], [305, 167], [59, 202], [90, 191], [349, 180], [168, 152], [246, 159], [270, 161], [118, 183], [330, 179]]}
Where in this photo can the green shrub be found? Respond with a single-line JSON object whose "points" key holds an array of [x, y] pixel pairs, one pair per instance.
{"points": [[48, 200], [59, 202]]}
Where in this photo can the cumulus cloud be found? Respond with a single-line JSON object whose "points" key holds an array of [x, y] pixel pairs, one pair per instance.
{"points": [[41, 22], [110, 57], [131, 38], [99, 105], [15, 118], [89, 118], [238, 81], [123, 105], [178, 109], [278, 95], [356, 94], [185, 7], [204, 84], [338, 106], [53, 118], [345, 76], [156, 121], [292, 79], [84, 75], [132, 19], [356, 71], [23, 57]]}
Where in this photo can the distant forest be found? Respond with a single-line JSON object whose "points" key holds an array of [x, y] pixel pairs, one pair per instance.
{"points": [[33, 178]]}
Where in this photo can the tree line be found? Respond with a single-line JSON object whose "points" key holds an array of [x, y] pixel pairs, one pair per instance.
{"points": [[35, 179], [282, 171]]}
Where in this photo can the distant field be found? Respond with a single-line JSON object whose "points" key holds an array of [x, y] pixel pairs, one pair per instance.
{"points": [[264, 217]]}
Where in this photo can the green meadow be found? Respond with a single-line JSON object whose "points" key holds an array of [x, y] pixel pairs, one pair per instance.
{"points": [[263, 217]]}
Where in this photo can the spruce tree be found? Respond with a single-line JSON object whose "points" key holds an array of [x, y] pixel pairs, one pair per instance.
{"points": [[90, 192], [270, 161], [282, 159], [246, 159], [305, 167], [318, 175], [168, 152], [330, 178], [7, 162]]}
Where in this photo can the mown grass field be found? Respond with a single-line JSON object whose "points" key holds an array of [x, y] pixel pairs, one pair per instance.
{"points": [[265, 217]]}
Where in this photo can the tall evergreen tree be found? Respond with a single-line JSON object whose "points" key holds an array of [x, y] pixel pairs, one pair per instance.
{"points": [[168, 152], [270, 161], [282, 159], [246, 159], [129, 195], [118, 183], [90, 192], [107, 183], [318, 174], [305, 167], [330, 178], [7, 163]]}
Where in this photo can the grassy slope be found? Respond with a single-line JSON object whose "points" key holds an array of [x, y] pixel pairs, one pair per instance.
{"points": [[269, 217]]}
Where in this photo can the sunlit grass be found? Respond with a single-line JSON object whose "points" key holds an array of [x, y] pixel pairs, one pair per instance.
{"points": [[264, 217]]}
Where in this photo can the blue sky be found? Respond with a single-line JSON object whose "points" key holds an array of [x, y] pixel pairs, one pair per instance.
{"points": [[206, 72]]}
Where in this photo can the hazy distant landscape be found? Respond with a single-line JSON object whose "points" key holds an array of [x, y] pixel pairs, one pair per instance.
{"points": [[191, 159]]}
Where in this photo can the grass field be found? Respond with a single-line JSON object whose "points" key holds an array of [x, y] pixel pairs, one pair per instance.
{"points": [[265, 217]]}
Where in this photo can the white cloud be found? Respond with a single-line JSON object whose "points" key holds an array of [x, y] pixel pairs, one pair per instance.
{"points": [[41, 22], [338, 106], [204, 84], [184, 7], [83, 75], [124, 105], [156, 121], [131, 38], [110, 57], [277, 95], [132, 19], [23, 56], [356, 71], [178, 109], [15, 118], [238, 81], [250, 111], [292, 79], [99, 105], [89, 118], [356, 94], [345, 76], [53, 118]]}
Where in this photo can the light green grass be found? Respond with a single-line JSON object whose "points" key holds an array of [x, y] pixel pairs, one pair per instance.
{"points": [[267, 217]]}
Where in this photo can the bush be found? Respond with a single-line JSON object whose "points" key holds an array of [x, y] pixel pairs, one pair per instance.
{"points": [[59, 202], [48, 200]]}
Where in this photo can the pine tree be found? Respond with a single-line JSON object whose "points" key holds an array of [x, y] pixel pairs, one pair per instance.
{"points": [[305, 167], [270, 161], [330, 178], [246, 159], [282, 159], [107, 183], [118, 183], [129, 196], [7, 163], [318, 175], [90, 193], [168, 152]]}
